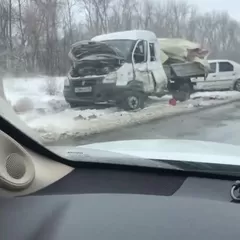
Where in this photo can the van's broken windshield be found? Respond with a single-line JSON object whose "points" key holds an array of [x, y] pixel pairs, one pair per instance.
{"points": [[123, 46]]}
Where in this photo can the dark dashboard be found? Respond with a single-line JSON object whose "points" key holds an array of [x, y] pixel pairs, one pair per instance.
{"points": [[110, 204], [118, 216]]}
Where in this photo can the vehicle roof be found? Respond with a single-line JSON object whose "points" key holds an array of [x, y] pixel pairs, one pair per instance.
{"points": [[130, 35]]}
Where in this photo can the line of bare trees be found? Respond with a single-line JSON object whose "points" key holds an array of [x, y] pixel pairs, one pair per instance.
{"points": [[35, 35]]}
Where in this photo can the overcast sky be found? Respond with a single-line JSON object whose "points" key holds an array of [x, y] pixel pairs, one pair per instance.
{"points": [[232, 6]]}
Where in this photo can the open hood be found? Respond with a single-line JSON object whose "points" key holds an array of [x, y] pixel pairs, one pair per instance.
{"points": [[91, 50]]}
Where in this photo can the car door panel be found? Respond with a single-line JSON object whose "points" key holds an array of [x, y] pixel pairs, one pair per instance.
{"points": [[210, 82], [226, 75]]}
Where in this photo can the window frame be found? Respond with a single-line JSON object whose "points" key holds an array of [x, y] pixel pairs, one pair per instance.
{"points": [[145, 45], [154, 50]]}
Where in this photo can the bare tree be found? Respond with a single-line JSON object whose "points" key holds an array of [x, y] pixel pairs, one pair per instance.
{"points": [[38, 33], [69, 18], [123, 15], [4, 21], [10, 43]]}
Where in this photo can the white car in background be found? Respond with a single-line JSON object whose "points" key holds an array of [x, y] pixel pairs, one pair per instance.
{"points": [[225, 75]]}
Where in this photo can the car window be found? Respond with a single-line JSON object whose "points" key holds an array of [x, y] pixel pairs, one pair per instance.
{"points": [[225, 67], [213, 67]]}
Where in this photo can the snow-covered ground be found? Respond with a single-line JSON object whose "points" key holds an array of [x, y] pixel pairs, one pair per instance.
{"points": [[39, 102]]}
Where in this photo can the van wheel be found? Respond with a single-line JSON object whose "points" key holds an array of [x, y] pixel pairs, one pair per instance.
{"points": [[237, 85], [183, 93], [132, 100]]}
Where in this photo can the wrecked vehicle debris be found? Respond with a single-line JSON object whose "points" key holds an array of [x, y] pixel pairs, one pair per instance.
{"points": [[183, 61], [177, 50], [125, 68]]}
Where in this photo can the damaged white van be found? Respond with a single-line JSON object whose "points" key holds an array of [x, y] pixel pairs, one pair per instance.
{"points": [[123, 68]]}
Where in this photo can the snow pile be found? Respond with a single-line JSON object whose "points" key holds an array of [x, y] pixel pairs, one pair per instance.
{"points": [[40, 94], [204, 99], [23, 105], [79, 123], [215, 95], [40, 103]]}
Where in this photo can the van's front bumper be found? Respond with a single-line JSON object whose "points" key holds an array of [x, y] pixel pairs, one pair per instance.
{"points": [[100, 93]]}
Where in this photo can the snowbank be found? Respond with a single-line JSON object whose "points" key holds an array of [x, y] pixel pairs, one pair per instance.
{"points": [[79, 123], [41, 94], [51, 116], [216, 95]]}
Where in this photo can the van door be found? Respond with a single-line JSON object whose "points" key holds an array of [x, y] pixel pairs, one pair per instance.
{"points": [[156, 72], [140, 57]]}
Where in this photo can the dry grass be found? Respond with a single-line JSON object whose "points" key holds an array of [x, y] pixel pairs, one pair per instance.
{"points": [[51, 86]]}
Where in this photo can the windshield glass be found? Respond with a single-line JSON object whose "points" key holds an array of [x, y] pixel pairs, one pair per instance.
{"points": [[164, 90], [123, 46]]}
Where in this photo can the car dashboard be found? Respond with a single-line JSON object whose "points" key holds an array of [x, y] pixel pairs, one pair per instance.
{"points": [[118, 216]]}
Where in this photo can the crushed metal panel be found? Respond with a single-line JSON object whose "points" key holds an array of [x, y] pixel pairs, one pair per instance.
{"points": [[190, 69], [164, 57], [167, 70], [182, 50]]}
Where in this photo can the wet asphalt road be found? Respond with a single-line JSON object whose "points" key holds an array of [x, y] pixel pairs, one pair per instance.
{"points": [[220, 124]]}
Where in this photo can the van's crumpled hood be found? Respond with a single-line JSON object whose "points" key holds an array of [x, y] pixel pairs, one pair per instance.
{"points": [[91, 50], [164, 149]]}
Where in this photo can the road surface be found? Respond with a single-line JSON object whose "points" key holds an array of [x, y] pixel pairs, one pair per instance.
{"points": [[220, 124]]}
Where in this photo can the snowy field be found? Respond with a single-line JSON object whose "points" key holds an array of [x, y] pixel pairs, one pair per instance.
{"points": [[39, 102]]}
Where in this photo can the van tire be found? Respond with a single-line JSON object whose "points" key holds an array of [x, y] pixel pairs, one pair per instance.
{"points": [[184, 92], [132, 100]]}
